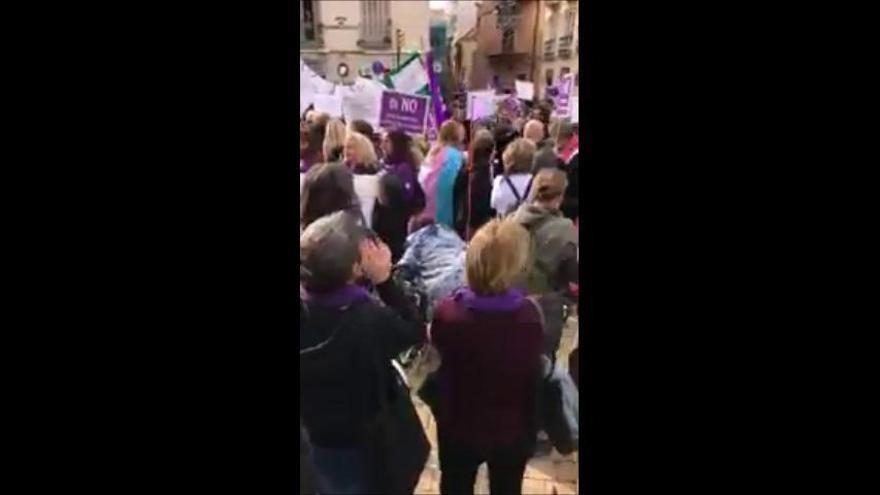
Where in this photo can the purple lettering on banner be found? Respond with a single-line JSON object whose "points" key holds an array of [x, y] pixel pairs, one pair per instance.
{"points": [[403, 111]]}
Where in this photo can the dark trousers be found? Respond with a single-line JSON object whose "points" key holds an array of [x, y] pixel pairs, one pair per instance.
{"points": [[459, 465]]}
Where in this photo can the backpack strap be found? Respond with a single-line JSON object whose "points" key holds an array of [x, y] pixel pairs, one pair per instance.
{"points": [[513, 189], [529, 187]]}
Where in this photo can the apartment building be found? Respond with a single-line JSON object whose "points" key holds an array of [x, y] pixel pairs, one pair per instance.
{"points": [[559, 43], [338, 38]]}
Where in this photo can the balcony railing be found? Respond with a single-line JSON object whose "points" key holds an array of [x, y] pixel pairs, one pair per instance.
{"points": [[550, 49], [565, 43]]}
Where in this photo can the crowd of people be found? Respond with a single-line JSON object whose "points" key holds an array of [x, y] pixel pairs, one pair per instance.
{"points": [[508, 188]]}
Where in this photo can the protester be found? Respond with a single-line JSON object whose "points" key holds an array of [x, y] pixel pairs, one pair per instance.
{"points": [[479, 208], [400, 194], [327, 188], [360, 157], [553, 261], [489, 339], [361, 127], [346, 342], [545, 152], [512, 188], [334, 140], [504, 135], [364, 127], [311, 151], [567, 148], [443, 164]]}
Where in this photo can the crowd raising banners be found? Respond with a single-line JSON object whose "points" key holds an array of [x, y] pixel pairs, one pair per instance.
{"points": [[435, 229]]}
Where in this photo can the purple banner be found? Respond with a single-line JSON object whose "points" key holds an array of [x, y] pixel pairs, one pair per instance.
{"points": [[403, 111], [436, 99], [563, 101]]}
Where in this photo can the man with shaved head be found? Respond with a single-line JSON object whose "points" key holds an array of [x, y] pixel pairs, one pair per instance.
{"points": [[545, 156], [534, 131]]}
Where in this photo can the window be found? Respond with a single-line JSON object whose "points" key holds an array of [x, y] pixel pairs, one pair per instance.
{"points": [[308, 21], [375, 22], [549, 77], [570, 17], [563, 71], [521, 77], [507, 40]]}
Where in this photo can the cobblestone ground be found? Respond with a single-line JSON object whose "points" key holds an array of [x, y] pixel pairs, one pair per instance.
{"points": [[550, 474]]}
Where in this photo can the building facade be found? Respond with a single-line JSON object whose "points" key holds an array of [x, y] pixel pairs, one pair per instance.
{"points": [[353, 34], [507, 33], [559, 43]]}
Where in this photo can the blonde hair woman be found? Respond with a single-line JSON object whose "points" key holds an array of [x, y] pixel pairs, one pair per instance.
{"points": [[359, 154], [489, 339], [360, 158], [510, 190], [334, 140]]}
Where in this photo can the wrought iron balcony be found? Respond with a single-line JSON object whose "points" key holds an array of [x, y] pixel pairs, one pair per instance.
{"points": [[550, 49], [565, 43]]}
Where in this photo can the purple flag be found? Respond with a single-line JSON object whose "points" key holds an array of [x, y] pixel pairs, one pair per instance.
{"points": [[563, 101], [436, 99]]}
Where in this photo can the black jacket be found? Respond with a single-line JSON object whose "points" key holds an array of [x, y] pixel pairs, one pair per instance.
{"points": [[338, 381], [545, 156], [390, 215], [570, 202]]}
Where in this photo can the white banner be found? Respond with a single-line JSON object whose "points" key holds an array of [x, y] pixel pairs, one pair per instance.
{"points": [[329, 104], [363, 101], [525, 90], [480, 104]]}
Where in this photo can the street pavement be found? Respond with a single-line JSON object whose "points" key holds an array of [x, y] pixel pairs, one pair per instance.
{"points": [[549, 474]]}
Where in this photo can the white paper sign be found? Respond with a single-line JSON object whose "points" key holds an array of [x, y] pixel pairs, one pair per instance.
{"points": [[322, 86], [480, 104], [525, 90], [411, 78], [306, 95], [329, 104], [342, 91], [575, 109], [363, 103]]}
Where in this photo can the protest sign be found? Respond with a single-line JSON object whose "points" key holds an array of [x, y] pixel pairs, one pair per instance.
{"points": [[575, 109], [329, 104], [363, 101], [480, 104], [406, 112], [525, 90], [306, 95]]}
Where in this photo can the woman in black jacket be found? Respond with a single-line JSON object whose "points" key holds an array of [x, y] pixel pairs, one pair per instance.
{"points": [[400, 194], [347, 341], [478, 208]]}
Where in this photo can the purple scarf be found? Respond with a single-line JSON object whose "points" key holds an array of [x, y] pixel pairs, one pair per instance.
{"points": [[511, 300], [339, 298]]}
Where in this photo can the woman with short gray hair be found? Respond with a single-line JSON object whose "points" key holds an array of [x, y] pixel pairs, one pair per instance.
{"points": [[344, 337]]}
